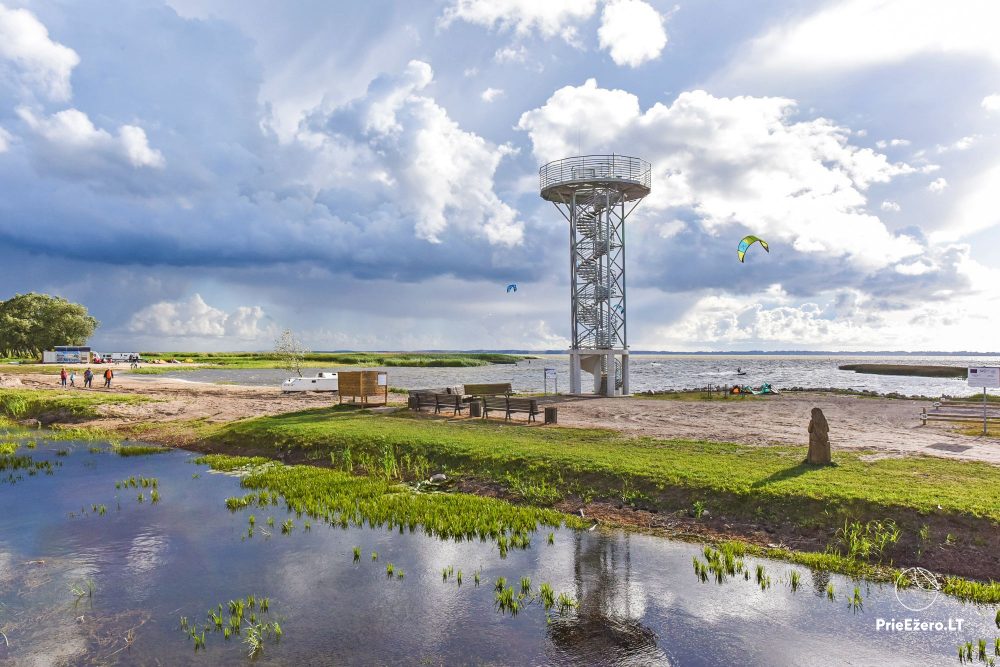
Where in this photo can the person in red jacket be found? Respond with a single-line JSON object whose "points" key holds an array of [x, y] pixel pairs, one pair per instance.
{"points": [[108, 374], [62, 377]]}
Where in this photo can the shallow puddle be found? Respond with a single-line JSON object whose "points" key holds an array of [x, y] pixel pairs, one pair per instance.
{"points": [[91, 575]]}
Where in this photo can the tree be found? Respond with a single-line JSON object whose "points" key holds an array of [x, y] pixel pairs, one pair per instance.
{"points": [[31, 323], [289, 352]]}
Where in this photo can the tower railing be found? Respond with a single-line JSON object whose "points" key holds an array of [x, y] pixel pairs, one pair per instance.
{"points": [[586, 168]]}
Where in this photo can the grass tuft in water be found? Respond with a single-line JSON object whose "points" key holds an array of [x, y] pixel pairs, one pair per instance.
{"points": [[83, 589], [547, 596], [139, 450], [856, 602]]}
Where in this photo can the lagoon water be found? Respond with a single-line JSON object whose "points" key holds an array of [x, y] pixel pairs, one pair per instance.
{"points": [[640, 601], [659, 372]]}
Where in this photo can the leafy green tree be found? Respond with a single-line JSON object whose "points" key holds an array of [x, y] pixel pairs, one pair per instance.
{"points": [[31, 323]]}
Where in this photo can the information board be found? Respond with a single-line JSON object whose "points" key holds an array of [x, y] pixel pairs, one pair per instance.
{"points": [[984, 376]]}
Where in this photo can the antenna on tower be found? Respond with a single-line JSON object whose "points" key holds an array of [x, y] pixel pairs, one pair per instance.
{"points": [[596, 193]]}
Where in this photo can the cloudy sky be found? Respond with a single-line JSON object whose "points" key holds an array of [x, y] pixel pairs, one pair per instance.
{"points": [[203, 173]]}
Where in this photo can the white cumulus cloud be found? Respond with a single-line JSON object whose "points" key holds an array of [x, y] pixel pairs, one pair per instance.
{"points": [[491, 94], [511, 54], [991, 102], [70, 137], [549, 18], [734, 162], [4, 140], [425, 161], [192, 317], [937, 185], [38, 63], [632, 32], [892, 206]]}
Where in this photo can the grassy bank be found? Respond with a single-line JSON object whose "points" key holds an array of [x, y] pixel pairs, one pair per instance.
{"points": [[573, 460], [60, 405], [271, 360], [908, 370], [946, 520]]}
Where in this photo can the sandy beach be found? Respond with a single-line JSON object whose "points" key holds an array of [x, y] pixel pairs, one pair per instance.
{"points": [[887, 427]]}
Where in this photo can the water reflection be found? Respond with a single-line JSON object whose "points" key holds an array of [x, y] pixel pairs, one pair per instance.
{"points": [[607, 627]]}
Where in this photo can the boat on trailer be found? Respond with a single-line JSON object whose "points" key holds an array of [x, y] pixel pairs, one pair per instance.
{"points": [[321, 382]]}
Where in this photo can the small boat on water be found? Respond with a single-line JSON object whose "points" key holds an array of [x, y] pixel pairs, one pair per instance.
{"points": [[322, 382]]}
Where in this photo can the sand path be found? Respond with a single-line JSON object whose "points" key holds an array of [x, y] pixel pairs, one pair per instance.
{"points": [[889, 426]]}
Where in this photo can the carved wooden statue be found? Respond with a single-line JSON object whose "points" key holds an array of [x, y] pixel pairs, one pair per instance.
{"points": [[819, 439]]}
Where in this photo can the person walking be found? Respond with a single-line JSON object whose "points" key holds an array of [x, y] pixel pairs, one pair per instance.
{"points": [[88, 379], [72, 378], [108, 374], [62, 377]]}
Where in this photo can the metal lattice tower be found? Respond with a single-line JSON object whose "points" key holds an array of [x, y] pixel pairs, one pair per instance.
{"points": [[596, 193]]}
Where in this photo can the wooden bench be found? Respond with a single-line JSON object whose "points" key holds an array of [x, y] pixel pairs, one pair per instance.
{"points": [[510, 405], [453, 401], [484, 390], [436, 398]]}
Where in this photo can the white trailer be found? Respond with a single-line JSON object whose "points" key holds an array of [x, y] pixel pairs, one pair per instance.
{"points": [[123, 356], [322, 382]]}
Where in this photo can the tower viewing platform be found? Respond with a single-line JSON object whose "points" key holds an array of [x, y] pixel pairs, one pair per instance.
{"points": [[560, 179]]}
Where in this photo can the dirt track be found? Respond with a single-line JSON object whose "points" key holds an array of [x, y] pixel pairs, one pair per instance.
{"points": [[889, 427]]}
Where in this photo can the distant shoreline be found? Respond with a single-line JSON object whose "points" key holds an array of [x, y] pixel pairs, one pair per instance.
{"points": [[724, 353]]}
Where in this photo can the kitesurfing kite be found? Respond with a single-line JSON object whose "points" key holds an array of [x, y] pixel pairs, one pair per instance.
{"points": [[511, 288], [749, 241]]}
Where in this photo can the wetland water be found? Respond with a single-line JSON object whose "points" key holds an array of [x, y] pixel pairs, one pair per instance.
{"points": [[640, 601], [658, 372]]}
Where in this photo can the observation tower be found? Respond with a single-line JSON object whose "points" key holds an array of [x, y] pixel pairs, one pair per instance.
{"points": [[596, 193]]}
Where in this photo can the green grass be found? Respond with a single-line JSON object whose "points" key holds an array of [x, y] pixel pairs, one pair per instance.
{"points": [[139, 450], [271, 360], [70, 405], [343, 499], [736, 477]]}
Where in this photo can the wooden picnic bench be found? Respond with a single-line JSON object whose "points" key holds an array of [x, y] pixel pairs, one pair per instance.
{"points": [[510, 405]]}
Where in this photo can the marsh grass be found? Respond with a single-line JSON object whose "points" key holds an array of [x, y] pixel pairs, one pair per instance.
{"points": [[868, 541], [272, 360], [140, 450], [855, 602], [72, 405], [83, 589], [343, 499]]}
